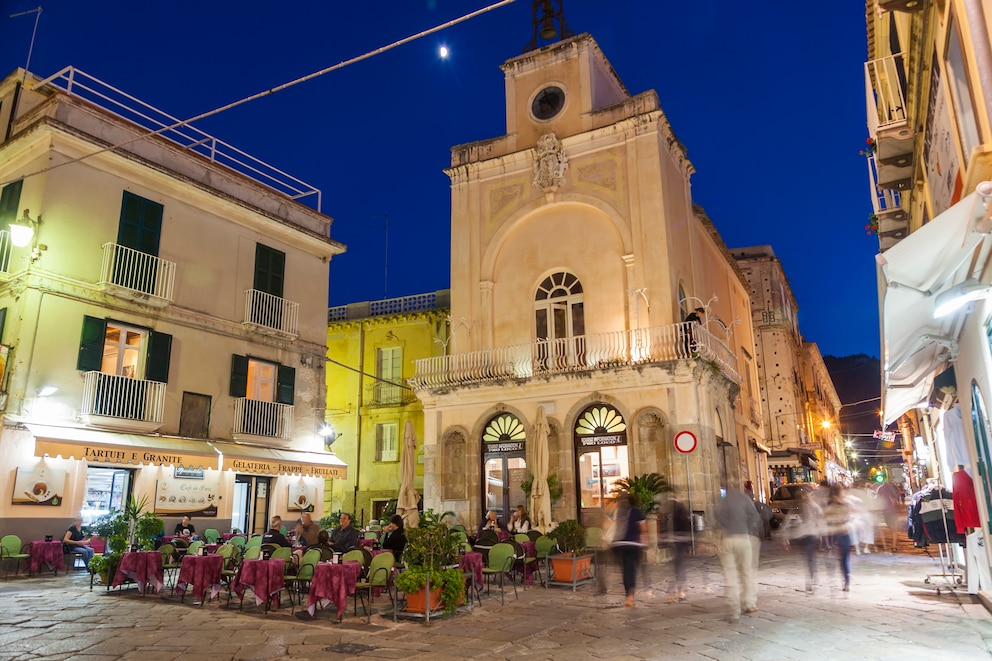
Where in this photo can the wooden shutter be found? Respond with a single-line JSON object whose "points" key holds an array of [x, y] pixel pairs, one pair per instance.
{"points": [[270, 270], [159, 356], [239, 376], [141, 224], [91, 343], [10, 198], [286, 385]]}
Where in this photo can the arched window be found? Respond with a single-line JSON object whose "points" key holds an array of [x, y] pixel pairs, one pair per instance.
{"points": [[504, 465], [558, 307], [600, 440]]}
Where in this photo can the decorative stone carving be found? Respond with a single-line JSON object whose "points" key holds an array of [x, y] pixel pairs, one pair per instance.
{"points": [[499, 198], [454, 485], [550, 163], [602, 174]]}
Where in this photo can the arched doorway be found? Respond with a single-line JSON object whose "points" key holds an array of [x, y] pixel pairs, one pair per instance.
{"points": [[504, 465], [600, 458]]}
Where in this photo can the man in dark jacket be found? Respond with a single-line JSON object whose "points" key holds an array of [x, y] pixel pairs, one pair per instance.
{"points": [[344, 538], [274, 534], [741, 528]]}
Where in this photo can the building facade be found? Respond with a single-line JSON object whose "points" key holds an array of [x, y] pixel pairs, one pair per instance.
{"points": [[929, 99], [163, 322], [371, 350], [577, 259]]}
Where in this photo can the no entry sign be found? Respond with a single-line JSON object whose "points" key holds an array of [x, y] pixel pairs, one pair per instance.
{"points": [[685, 442]]}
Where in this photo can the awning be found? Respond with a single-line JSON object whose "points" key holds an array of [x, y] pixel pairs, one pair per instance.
{"points": [[114, 448], [939, 255], [276, 461]]}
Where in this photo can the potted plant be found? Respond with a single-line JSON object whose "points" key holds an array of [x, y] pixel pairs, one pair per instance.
{"points": [[643, 489], [131, 526], [573, 565], [331, 521], [431, 556]]}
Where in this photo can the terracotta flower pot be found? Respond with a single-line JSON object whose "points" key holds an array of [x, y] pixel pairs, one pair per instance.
{"points": [[568, 568], [415, 601]]}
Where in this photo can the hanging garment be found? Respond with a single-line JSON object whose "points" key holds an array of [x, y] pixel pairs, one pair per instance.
{"points": [[965, 505], [932, 518]]}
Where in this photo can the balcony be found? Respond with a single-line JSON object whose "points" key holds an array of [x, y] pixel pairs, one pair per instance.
{"points": [[584, 353], [888, 205], [120, 402], [387, 394], [253, 417], [271, 315], [888, 120], [137, 276]]}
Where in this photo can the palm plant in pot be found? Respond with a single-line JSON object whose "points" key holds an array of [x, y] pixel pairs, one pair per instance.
{"points": [[123, 529], [431, 557], [573, 565]]}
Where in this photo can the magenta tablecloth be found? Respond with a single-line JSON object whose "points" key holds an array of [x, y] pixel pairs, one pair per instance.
{"points": [[333, 583], [202, 572], [367, 543], [47, 553], [530, 551], [264, 577], [142, 567], [504, 536], [471, 562]]}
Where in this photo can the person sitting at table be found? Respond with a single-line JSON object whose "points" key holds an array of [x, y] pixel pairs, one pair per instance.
{"points": [[75, 542], [323, 541], [394, 536], [184, 528], [274, 534], [491, 522], [307, 530], [344, 538], [519, 521]]}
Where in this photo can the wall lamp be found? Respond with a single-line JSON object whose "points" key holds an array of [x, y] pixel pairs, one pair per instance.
{"points": [[959, 295], [22, 231]]}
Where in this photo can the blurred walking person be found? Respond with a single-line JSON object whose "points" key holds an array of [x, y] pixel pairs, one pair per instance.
{"points": [[741, 530], [678, 534], [628, 542], [804, 529], [838, 517]]}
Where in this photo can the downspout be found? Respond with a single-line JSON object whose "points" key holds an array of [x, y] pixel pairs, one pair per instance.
{"points": [[358, 414]]}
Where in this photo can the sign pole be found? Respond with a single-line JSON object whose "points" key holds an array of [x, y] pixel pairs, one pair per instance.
{"points": [[685, 442]]}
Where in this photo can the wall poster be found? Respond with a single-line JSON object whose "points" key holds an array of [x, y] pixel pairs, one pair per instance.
{"points": [[39, 486], [198, 498], [302, 497]]}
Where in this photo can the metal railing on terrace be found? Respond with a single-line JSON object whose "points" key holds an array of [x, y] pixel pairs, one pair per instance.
{"points": [[387, 306], [883, 200], [122, 397], [255, 417], [137, 272], [123, 105], [266, 312], [885, 83], [576, 354]]}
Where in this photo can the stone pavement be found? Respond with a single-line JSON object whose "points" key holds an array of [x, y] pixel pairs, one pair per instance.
{"points": [[890, 613]]}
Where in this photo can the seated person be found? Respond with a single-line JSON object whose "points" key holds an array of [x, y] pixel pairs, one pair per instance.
{"points": [[491, 522], [274, 534], [344, 538], [323, 541], [184, 528], [519, 521], [307, 530], [74, 541], [394, 536]]}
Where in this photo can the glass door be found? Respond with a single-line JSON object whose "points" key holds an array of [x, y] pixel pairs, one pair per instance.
{"points": [[107, 490], [251, 504], [503, 475]]}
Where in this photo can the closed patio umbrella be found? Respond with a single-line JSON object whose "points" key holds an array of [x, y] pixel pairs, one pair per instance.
{"points": [[540, 495], [406, 505]]}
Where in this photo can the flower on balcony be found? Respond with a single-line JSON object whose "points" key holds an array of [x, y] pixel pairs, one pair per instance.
{"points": [[870, 147], [872, 226]]}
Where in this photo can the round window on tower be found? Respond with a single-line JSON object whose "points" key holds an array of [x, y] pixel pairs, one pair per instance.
{"points": [[548, 102]]}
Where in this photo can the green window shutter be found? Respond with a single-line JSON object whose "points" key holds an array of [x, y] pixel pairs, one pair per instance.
{"points": [[141, 224], [91, 343], [239, 376], [286, 385], [159, 355], [10, 198], [270, 270]]}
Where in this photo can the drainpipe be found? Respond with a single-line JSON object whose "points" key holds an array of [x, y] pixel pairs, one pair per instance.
{"points": [[358, 413]]}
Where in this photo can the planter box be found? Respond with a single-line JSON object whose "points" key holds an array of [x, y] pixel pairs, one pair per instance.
{"points": [[415, 602], [572, 569]]}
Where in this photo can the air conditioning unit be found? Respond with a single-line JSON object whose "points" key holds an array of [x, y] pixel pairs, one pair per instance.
{"points": [[902, 5]]}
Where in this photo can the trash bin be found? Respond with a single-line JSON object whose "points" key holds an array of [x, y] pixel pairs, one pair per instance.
{"points": [[698, 524]]}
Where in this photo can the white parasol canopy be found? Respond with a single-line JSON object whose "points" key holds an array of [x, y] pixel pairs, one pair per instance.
{"points": [[406, 505], [540, 495]]}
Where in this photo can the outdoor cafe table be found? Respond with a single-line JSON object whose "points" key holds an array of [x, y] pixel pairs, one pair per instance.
{"points": [[142, 567], [471, 563], [203, 573], [265, 578], [45, 553], [333, 583]]}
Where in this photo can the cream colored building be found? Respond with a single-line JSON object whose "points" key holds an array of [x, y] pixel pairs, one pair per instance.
{"points": [[163, 328], [577, 254]]}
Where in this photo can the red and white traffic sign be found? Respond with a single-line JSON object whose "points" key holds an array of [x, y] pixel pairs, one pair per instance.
{"points": [[685, 442]]}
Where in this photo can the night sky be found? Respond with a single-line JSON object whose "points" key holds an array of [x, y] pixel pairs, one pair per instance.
{"points": [[768, 99]]}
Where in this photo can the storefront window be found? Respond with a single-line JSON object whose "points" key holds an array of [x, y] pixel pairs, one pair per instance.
{"points": [[601, 459], [107, 490], [504, 465], [980, 421]]}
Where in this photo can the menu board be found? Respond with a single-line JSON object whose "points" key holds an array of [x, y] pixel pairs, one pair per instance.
{"points": [[175, 497]]}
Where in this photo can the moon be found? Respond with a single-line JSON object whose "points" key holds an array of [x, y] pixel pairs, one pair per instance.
{"points": [[443, 52]]}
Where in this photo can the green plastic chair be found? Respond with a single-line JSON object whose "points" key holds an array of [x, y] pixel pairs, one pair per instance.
{"points": [[255, 540], [211, 535], [240, 542], [12, 549], [499, 563], [283, 553], [532, 535], [194, 548], [303, 577], [546, 546], [361, 556], [252, 553], [521, 537], [169, 564], [459, 535], [380, 577]]}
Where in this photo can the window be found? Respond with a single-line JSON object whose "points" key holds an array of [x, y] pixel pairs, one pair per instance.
{"points": [[389, 368], [270, 270], [386, 441], [558, 307], [261, 380], [119, 349], [141, 224], [768, 317], [961, 93]]}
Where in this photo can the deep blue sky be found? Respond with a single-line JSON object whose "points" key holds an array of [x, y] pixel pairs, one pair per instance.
{"points": [[768, 99]]}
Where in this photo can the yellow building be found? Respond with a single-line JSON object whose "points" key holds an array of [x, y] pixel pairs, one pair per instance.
{"points": [[163, 318], [371, 349], [577, 256]]}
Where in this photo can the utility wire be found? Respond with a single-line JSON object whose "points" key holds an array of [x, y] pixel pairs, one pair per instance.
{"points": [[273, 90]]}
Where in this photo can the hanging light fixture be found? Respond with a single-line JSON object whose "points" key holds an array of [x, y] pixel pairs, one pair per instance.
{"points": [[22, 231], [959, 295]]}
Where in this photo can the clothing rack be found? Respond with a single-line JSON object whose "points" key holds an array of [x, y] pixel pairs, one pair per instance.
{"points": [[926, 506]]}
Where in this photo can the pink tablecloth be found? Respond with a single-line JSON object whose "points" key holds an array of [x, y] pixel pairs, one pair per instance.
{"points": [[333, 583], [46, 553], [504, 536], [530, 551], [142, 567], [367, 543], [264, 577], [202, 572], [471, 562]]}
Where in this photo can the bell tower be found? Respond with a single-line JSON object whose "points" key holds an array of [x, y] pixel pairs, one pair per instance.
{"points": [[545, 29]]}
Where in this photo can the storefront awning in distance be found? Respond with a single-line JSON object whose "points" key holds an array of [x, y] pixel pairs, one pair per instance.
{"points": [[115, 448], [276, 461]]}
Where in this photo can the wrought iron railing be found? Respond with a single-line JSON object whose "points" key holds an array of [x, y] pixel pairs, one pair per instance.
{"points": [[268, 312], [123, 397], [575, 354], [885, 81], [138, 272], [254, 417], [387, 394]]}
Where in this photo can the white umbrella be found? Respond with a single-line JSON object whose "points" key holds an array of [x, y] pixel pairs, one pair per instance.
{"points": [[406, 505], [540, 495]]}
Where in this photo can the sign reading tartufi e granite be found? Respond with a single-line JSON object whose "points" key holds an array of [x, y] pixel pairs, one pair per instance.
{"points": [[123, 454]]}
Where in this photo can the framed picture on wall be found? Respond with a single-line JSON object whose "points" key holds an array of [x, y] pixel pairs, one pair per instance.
{"points": [[302, 497], [39, 486]]}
